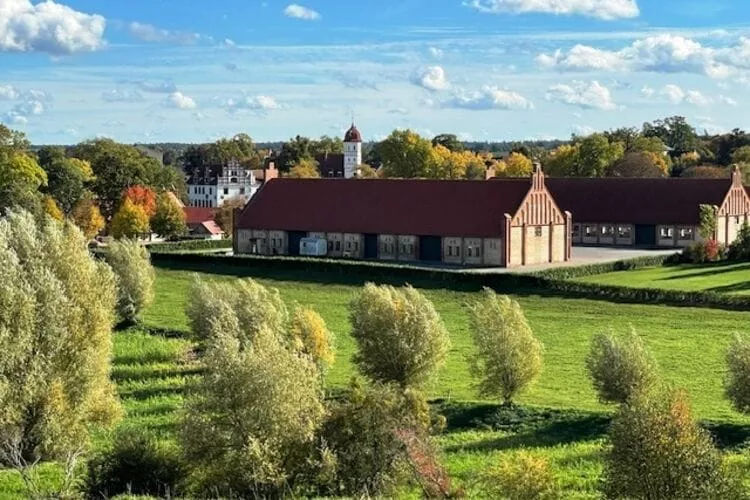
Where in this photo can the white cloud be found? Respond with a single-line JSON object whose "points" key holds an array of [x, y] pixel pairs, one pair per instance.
{"points": [[156, 87], [436, 53], [673, 93], [489, 97], [592, 95], [180, 101], [228, 43], [20, 113], [660, 53], [431, 78], [299, 12], [583, 130], [48, 27], [122, 95], [600, 9], [150, 33], [261, 103], [647, 91], [727, 100], [8, 92], [676, 95]]}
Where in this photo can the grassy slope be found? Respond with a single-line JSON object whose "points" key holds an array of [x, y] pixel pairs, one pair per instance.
{"points": [[152, 371], [720, 278], [685, 341]]}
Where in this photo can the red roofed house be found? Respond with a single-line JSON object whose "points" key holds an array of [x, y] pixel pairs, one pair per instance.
{"points": [[200, 222], [650, 212], [510, 222]]}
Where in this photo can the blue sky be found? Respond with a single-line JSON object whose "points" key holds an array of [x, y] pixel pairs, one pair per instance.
{"points": [[190, 71]]}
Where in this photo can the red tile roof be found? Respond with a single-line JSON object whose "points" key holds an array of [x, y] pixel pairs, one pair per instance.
{"points": [[637, 201], [196, 215], [387, 206], [212, 227]]}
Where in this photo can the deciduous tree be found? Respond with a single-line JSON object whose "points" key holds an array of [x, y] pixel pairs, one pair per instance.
{"points": [[135, 277], [596, 154], [169, 218], [400, 336], [405, 154], [88, 218], [305, 169], [737, 383], [509, 357], [67, 178], [20, 180], [518, 165], [50, 208], [659, 451], [224, 215], [311, 336], [142, 196], [130, 221], [56, 342], [637, 165], [619, 367]]}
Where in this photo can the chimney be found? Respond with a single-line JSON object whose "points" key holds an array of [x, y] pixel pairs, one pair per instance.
{"points": [[270, 171]]}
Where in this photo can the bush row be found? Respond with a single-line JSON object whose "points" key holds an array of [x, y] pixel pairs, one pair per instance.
{"points": [[355, 272], [568, 273], [190, 245]]}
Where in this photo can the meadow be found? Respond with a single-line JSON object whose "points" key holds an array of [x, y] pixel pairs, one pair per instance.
{"points": [[719, 278], [560, 417]]}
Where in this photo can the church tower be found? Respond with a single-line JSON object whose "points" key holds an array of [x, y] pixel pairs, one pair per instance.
{"points": [[352, 151]]}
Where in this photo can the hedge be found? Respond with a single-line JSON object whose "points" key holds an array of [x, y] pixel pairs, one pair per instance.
{"points": [[357, 272], [568, 273], [190, 245]]}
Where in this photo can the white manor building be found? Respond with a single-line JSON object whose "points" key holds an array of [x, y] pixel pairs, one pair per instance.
{"points": [[211, 186], [344, 165]]}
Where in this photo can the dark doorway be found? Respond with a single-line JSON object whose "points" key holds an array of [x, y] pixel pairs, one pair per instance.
{"points": [[371, 246], [295, 237], [430, 248], [645, 235]]}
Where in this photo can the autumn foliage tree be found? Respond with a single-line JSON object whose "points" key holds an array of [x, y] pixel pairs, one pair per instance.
{"points": [[168, 220], [55, 342], [52, 209], [400, 336], [88, 218], [143, 197], [311, 337], [304, 169], [130, 221], [509, 356]]}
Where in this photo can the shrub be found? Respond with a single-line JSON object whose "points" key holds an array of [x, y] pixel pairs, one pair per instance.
{"points": [[740, 249], [135, 277], [249, 428], [399, 334], [311, 337], [619, 367], [189, 245], [659, 451], [703, 251], [56, 324], [367, 433], [737, 384], [252, 306], [522, 477], [509, 357], [136, 463]]}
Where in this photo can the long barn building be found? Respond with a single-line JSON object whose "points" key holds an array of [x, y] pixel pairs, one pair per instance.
{"points": [[510, 222]]}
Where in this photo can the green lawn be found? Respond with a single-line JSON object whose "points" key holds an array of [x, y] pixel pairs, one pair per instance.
{"points": [[155, 363], [720, 278]]}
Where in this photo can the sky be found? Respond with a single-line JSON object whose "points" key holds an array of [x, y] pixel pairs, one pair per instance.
{"points": [[194, 71]]}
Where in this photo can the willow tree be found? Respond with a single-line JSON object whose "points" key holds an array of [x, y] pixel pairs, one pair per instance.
{"points": [[56, 317]]}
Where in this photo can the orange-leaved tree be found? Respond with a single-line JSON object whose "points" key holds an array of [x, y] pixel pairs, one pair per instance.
{"points": [[143, 196]]}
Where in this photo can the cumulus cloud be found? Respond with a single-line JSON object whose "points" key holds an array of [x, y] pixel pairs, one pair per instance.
{"points": [[152, 34], [647, 91], [432, 78], [48, 27], [592, 95], [601, 9], [297, 11], [21, 112], [660, 53], [180, 101], [489, 97], [676, 95], [436, 52], [9, 93], [122, 95], [259, 103]]}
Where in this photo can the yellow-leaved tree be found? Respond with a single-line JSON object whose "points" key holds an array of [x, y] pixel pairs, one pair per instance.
{"points": [[88, 218], [518, 165], [52, 209], [130, 221]]}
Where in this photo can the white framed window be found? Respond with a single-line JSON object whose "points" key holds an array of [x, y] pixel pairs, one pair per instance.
{"points": [[608, 230], [623, 231], [686, 233], [589, 231], [666, 232]]}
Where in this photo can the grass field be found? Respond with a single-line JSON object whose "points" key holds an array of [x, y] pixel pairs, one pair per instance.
{"points": [[719, 278], [154, 365]]}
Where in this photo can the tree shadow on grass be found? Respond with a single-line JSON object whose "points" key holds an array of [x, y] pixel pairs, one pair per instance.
{"points": [[547, 427], [742, 286], [709, 270]]}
